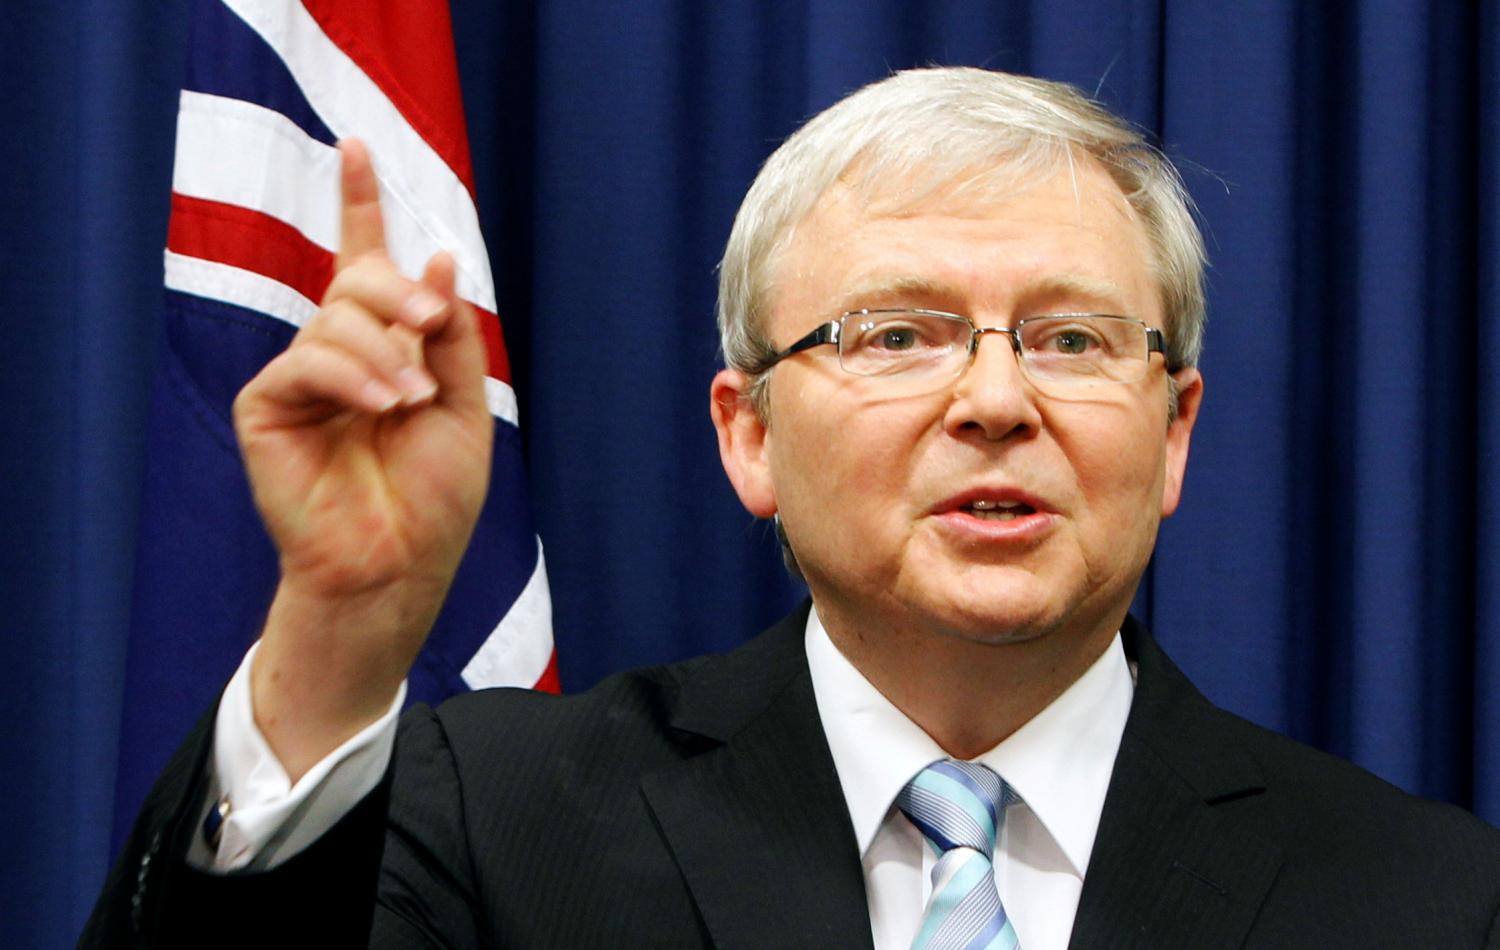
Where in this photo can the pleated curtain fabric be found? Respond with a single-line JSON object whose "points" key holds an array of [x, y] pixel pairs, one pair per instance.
{"points": [[1333, 571]]}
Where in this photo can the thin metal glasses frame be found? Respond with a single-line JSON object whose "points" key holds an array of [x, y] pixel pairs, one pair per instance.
{"points": [[830, 332]]}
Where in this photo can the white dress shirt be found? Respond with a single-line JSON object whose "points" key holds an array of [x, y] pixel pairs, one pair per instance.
{"points": [[270, 819], [1059, 763]]}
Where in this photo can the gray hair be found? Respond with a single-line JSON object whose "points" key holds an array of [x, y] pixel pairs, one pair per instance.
{"points": [[951, 129]]}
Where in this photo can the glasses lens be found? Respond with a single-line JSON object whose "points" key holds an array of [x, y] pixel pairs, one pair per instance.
{"points": [[1087, 348], [891, 342]]}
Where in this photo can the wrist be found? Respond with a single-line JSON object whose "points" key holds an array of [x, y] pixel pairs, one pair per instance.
{"points": [[327, 667]]}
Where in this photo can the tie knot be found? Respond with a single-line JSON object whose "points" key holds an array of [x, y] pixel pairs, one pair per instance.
{"points": [[957, 805]]}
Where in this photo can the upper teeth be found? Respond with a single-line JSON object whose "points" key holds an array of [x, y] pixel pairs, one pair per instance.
{"points": [[988, 505]]}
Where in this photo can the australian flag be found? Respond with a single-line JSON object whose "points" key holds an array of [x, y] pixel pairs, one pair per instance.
{"points": [[271, 86]]}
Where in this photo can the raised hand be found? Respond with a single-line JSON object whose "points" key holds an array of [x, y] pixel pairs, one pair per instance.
{"points": [[368, 444]]}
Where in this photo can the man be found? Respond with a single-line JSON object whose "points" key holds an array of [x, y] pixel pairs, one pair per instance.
{"points": [[961, 313]]}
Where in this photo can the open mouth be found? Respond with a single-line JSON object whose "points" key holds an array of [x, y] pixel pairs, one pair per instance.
{"points": [[998, 510]]}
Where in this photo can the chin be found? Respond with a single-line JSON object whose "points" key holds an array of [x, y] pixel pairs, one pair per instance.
{"points": [[998, 619]]}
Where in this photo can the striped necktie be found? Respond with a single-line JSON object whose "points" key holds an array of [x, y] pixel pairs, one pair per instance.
{"points": [[960, 807]]}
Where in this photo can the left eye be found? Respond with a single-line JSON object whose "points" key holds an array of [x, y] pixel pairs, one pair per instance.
{"points": [[897, 338], [1071, 342], [1066, 339]]}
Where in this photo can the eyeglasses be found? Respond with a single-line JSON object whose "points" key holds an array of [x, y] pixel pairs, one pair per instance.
{"points": [[927, 349]]}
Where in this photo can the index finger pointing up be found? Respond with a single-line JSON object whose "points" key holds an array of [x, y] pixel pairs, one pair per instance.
{"points": [[361, 229]]}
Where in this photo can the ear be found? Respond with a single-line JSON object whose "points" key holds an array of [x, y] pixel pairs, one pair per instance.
{"points": [[744, 442], [1179, 434]]}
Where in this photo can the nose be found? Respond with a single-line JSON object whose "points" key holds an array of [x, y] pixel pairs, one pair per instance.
{"points": [[993, 398]]}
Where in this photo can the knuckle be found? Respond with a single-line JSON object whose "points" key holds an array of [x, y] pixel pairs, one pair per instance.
{"points": [[371, 283], [313, 354], [262, 384], [339, 317], [351, 273], [240, 406], [369, 269], [334, 317]]}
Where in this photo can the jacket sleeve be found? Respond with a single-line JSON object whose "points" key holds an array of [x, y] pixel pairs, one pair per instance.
{"points": [[324, 896]]}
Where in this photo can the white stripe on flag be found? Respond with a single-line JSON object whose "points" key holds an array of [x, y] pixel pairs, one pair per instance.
{"points": [[242, 288], [517, 652], [242, 154], [237, 286], [501, 400], [419, 190]]}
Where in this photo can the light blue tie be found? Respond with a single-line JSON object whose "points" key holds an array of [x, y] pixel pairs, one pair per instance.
{"points": [[960, 807]]}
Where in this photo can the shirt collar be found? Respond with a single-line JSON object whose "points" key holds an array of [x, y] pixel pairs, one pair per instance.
{"points": [[1059, 763]]}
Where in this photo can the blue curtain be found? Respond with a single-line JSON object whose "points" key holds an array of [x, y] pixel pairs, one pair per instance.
{"points": [[1333, 573]]}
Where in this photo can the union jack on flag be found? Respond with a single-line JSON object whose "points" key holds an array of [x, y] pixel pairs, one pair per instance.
{"points": [[271, 86]]}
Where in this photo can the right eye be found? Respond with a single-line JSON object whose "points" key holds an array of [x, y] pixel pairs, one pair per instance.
{"points": [[886, 343], [901, 337]]}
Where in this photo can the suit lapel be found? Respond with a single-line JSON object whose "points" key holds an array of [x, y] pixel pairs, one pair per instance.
{"points": [[757, 821], [758, 824], [1168, 868]]}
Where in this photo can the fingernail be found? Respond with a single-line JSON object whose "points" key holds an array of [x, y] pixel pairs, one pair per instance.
{"points": [[421, 307], [416, 385], [379, 397]]}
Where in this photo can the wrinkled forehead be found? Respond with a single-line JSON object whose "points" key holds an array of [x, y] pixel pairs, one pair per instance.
{"points": [[974, 190], [871, 189], [894, 182]]}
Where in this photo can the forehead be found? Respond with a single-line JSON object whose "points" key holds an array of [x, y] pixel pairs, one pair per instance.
{"points": [[1001, 240]]}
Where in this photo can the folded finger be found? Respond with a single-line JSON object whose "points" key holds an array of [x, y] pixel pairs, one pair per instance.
{"points": [[320, 379], [375, 284], [454, 353], [347, 326]]}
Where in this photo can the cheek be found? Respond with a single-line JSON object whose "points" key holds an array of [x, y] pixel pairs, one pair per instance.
{"points": [[843, 468], [824, 463], [1119, 475], [1118, 462]]}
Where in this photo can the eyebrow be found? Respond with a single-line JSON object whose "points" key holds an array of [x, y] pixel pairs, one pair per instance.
{"points": [[903, 286], [1105, 292]]}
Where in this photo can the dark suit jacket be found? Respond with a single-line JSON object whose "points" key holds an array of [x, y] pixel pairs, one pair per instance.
{"points": [[697, 805]]}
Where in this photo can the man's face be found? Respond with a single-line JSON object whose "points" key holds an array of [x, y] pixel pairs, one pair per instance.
{"points": [[877, 493]]}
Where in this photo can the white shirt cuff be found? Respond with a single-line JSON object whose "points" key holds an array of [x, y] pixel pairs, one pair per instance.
{"points": [[270, 819]]}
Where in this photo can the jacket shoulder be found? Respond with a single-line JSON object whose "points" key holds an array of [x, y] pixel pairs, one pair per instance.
{"points": [[1322, 804], [634, 708]]}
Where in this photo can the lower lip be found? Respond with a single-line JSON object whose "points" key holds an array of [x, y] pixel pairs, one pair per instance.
{"points": [[1018, 530]]}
